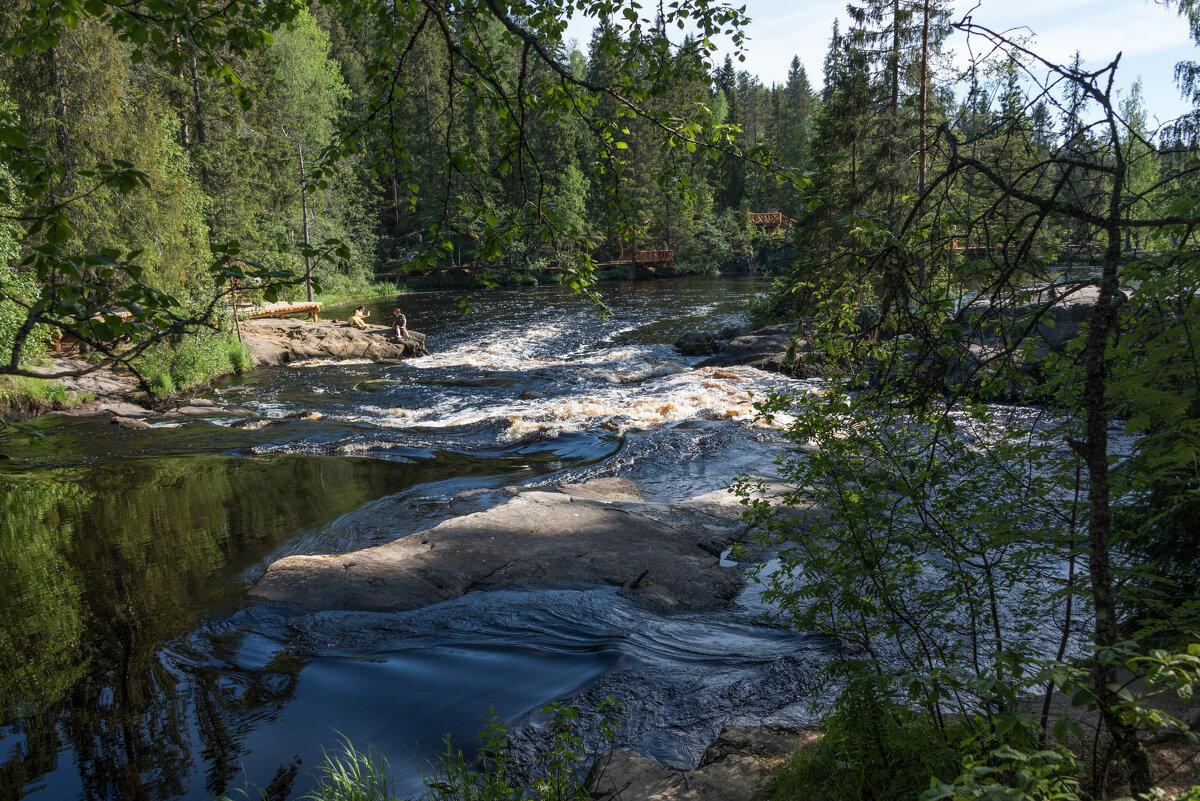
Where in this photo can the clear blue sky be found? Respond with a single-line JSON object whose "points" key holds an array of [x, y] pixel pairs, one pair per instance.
{"points": [[1150, 37]]}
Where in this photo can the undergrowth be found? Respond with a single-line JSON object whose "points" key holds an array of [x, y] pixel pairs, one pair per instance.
{"points": [[23, 397], [334, 294], [354, 773], [873, 749], [189, 360]]}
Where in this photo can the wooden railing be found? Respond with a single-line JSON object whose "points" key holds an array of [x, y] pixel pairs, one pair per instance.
{"points": [[770, 219], [655, 256]]}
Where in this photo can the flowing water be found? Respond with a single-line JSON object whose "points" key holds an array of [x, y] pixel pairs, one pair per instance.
{"points": [[130, 668]]}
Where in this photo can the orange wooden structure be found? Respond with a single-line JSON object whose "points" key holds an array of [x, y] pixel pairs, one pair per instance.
{"points": [[281, 310], [58, 340], [770, 220]]}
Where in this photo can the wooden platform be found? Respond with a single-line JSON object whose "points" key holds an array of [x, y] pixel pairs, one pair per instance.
{"points": [[770, 219], [281, 309]]}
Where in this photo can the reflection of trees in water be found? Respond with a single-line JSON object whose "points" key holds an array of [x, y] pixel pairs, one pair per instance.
{"points": [[103, 566]]}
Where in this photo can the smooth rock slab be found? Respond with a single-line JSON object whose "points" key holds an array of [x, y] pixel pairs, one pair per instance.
{"points": [[282, 341], [595, 534]]}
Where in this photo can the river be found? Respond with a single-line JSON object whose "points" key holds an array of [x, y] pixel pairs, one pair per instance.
{"points": [[132, 668]]}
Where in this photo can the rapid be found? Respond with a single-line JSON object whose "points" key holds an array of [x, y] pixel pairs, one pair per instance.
{"points": [[131, 667]]}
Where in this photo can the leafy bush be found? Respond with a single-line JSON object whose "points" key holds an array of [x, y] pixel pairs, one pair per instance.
{"points": [[874, 749], [181, 362]]}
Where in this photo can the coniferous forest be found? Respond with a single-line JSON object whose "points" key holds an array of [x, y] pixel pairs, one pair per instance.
{"points": [[989, 510]]}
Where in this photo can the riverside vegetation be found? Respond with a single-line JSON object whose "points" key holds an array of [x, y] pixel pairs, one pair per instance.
{"points": [[982, 574]]}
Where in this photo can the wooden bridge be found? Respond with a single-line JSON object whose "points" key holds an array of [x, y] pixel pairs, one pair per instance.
{"points": [[771, 220], [643, 258]]}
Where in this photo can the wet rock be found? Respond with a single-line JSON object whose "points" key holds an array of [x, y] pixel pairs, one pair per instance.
{"points": [[201, 402], [109, 406], [240, 411], [595, 534], [778, 348], [280, 341], [129, 422], [704, 343], [739, 766]]}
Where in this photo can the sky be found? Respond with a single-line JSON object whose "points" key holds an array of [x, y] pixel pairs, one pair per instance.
{"points": [[1151, 38]]}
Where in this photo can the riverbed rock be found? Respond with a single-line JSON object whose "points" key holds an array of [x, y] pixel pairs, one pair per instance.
{"points": [[705, 343], [778, 348], [1020, 330], [578, 536], [115, 407], [1053, 313], [274, 341], [739, 766], [129, 422]]}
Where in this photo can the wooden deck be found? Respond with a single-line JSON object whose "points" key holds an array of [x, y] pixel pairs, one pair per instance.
{"points": [[281, 309]]}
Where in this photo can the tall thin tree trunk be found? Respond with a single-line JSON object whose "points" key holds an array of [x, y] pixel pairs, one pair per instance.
{"points": [[894, 60], [180, 94], [304, 218], [198, 111], [924, 121], [1095, 453], [62, 131]]}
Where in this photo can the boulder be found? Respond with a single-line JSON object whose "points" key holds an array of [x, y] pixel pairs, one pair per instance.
{"points": [[129, 422], [706, 343], [739, 766], [1053, 313], [579, 536], [776, 348], [272, 341]]}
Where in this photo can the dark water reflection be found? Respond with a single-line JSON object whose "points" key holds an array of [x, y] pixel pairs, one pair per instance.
{"points": [[127, 670]]}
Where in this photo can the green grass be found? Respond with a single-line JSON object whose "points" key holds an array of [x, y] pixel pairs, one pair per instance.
{"points": [[24, 397], [190, 360], [377, 289]]}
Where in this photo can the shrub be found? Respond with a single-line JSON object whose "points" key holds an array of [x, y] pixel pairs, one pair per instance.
{"points": [[874, 749], [186, 360]]}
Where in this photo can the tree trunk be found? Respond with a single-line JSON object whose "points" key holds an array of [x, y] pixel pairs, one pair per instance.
{"points": [[922, 154], [304, 218], [1095, 452]]}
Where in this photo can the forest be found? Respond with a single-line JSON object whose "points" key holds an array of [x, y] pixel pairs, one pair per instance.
{"points": [[981, 570]]}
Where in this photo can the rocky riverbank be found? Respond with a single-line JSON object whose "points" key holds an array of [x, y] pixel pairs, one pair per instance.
{"points": [[273, 341], [117, 393], [602, 532], [1025, 328]]}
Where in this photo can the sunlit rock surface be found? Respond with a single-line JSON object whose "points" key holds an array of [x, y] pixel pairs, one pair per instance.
{"points": [[592, 534], [272, 341]]}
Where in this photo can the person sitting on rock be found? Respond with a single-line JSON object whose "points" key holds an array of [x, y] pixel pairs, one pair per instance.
{"points": [[356, 319], [399, 323]]}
